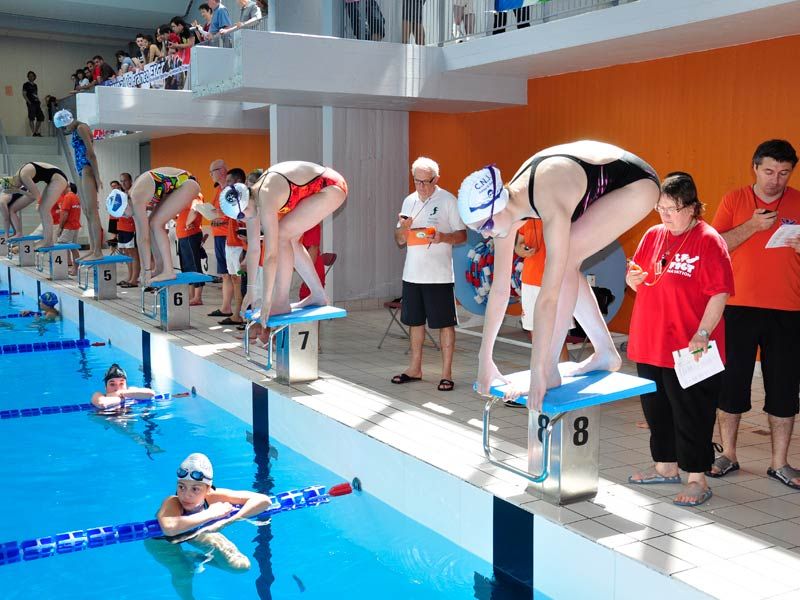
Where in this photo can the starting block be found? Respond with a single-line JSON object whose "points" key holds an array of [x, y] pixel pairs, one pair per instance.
{"points": [[564, 439], [26, 249], [57, 257], [170, 300], [104, 274], [297, 337], [3, 243]]}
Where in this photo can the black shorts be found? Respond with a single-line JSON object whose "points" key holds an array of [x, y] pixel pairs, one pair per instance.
{"points": [[219, 254], [431, 302], [126, 237], [35, 112], [189, 255], [777, 334]]}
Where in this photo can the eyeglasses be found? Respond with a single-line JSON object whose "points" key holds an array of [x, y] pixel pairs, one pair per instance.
{"points": [[423, 181], [211, 172], [667, 210], [196, 475]]}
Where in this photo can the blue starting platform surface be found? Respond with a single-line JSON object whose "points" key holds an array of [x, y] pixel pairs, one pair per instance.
{"points": [[300, 315], [24, 238], [106, 260], [181, 279], [58, 247], [581, 391]]}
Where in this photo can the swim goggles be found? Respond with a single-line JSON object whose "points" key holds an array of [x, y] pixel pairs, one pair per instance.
{"points": [[195, 475]]}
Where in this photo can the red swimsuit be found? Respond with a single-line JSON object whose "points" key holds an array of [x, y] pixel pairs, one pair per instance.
{"points": [[298, 193]]}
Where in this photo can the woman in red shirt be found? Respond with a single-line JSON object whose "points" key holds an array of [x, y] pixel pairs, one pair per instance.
{"points": [[681, 273]]}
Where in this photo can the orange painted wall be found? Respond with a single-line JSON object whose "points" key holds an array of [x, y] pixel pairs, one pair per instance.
{"points": [[194, 152], [703, 113]]}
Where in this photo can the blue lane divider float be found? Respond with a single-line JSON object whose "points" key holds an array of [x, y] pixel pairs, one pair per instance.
{"points": [[48, 346], [96, 537], [22, 315], [19, 413]]}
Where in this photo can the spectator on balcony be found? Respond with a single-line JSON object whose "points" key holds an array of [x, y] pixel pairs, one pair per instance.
{"points": [[165, 37], [412, 21], [93, 71], [124, 63], [522, 15], [220, 18], [173, 82], [149, 51], [375, 27], [201, 32], [75, 80], [464, 12], [264, 6], [185, 39], [83, 80], [30, 92], [249, 12], [105, 70]]}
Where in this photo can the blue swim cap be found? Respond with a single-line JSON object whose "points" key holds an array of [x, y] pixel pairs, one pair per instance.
{"points": [[49, 299]]}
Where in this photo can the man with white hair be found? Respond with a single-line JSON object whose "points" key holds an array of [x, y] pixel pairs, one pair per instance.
{"points": [[429, 226]]}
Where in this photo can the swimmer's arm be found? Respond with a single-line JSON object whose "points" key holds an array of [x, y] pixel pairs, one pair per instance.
{"points": [[252, 502], [172, 522], [102, 401], [86, 136], [269, 223], [137, 393], [253, 228]]}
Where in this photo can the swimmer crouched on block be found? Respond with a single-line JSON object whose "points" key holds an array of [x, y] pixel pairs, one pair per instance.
{"points": [[197, 501], [117, 389]]}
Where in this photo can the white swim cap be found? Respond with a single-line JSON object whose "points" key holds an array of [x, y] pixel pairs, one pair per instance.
{"points": [[233, 200], [196, 467], [116, 203], [481, 194], [63, 118]]}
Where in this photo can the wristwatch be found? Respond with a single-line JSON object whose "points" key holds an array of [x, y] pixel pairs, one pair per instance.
{"points": [[703, 333]]}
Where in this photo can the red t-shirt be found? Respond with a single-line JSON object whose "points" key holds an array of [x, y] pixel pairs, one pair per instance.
{"points": [[231, 239], [667, 314], [126, 224], [71, 204], [55, 212], [533, 266], [180, 222], [765, 277], [218, 230]]}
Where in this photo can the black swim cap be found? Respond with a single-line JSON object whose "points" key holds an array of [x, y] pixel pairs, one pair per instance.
{"points": [[114, 372]]}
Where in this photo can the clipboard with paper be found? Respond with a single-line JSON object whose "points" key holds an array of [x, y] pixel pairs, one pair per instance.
{"points": [[691, 371]]}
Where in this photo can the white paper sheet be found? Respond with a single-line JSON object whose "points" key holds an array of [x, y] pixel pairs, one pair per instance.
{"points": [[782, 235], [691, 371]]}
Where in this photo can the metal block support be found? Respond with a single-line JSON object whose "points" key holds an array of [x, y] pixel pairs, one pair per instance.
{"points": [[173, 303], [297, 352]]}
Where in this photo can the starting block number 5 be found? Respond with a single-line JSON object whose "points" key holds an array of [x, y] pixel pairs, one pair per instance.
{"points": [[106, 274], [580, 429]]}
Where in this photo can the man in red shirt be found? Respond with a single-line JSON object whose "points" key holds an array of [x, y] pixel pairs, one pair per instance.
{"points": [[126, 238], [68, 225], [765, 312]]}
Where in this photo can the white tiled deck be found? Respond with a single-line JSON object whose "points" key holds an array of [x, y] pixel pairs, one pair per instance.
{"points": [[743, 543]]}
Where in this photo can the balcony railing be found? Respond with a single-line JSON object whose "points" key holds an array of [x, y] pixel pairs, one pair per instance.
{"points": [[438, 22]]}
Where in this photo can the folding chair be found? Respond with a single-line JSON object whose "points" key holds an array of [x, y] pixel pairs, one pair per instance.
{"points": [[394, 307]]}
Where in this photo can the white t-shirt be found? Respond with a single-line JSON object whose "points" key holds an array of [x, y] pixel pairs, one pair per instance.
{"points": [[434, 263]]}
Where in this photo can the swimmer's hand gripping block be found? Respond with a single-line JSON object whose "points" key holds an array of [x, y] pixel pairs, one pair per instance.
{"points": [[95, 537]]}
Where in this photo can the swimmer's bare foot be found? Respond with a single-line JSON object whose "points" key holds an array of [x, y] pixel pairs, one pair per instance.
{"points": [[312, 301], [166, 275], [42, 244], [280, 309], [553, 378], [97, 255], [599, 361]]}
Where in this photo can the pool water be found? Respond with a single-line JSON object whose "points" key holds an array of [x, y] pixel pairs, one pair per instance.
{"points": [[73, 471]]}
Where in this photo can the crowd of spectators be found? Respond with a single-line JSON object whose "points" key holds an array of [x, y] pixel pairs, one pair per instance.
{"points": [[170, 45]]}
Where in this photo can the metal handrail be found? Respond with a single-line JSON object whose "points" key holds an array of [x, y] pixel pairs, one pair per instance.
{"points": [[226, 40], [5, 150], [546, 441]]}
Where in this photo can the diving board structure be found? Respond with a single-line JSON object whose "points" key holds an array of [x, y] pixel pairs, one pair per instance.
{"points": [[25, 245], [564, 439], [103, 273], [296, 335], [56, 258], [170, 300]]}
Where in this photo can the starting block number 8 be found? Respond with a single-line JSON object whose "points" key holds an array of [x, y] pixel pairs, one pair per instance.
{"points": [[580, 429]]}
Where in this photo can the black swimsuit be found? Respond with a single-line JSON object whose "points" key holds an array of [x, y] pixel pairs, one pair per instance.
{"points": [[600, 179], [14, 197], [45, 174]]}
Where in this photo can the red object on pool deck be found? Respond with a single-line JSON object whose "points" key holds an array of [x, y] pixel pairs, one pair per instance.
{"points": [[340, 489], [98, 343]]}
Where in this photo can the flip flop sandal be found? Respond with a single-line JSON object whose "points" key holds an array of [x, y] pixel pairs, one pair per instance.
{"points": [[696, 499], [514, 404], [219, 313], [403, 378], [653, 477], [445, 385], [229, 321], [725, 466], [785, 475]]}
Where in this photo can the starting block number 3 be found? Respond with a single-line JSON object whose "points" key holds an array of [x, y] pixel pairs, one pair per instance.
{"points": [[580, 429]]}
